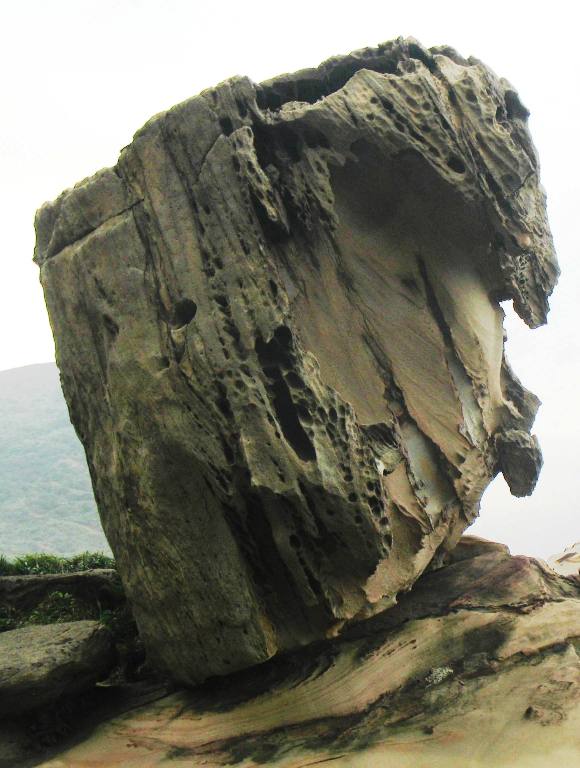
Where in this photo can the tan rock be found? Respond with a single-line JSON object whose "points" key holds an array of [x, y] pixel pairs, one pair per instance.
{"points": [[278, 327], [472, 680], [567, 563]]}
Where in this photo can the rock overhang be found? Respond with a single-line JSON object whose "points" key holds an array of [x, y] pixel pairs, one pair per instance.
{"points": [[278, 326]]}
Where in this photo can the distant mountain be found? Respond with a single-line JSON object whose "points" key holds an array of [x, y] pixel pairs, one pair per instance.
{"points": [[46, 499]]}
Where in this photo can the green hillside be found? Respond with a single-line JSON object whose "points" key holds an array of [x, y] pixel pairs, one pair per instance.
{"points": [[46, 499]]}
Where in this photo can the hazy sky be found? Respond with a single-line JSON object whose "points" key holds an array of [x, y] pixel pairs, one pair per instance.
{"points": [[79, 77]]}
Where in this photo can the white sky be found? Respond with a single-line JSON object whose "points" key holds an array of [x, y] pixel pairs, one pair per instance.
{"points": [[79, 77]]}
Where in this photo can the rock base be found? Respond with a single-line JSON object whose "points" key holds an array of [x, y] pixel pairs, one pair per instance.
{"points": [[478, 666]]}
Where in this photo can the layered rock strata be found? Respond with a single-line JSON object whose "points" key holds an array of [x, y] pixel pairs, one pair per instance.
{"points": [[279, 331], [478, 666]]}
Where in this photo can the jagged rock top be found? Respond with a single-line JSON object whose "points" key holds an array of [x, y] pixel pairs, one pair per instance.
{"points": [[477, 138], [279, 331]]}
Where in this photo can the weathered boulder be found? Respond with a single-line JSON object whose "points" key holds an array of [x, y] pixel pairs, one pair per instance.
{"points": [[480, 668], [42, 664], [279, 331], [100, 586]]}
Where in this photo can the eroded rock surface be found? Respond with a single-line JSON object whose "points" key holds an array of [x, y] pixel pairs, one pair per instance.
{"points": [[42, 664], [567, 562], [279, 331], [479, 668]]}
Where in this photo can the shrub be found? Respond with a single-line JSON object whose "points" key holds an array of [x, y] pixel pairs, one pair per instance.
{"points": [[6, 567], [87, 560], [59, 607], [40, 562], [8, 618]]}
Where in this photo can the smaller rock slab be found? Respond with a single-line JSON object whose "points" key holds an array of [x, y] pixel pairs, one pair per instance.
{"points": [[40, 664], [98, 585]]}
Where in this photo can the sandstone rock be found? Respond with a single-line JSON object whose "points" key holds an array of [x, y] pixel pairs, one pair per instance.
{"points": [[100, 586], [567, 563], [41, 664], [473, 677], [279, 331]]}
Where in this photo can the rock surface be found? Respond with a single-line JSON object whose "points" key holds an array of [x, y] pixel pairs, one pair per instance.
{"points": [[567, 563], [42, 664], [279, 331], [98, 585], [479, 668]]}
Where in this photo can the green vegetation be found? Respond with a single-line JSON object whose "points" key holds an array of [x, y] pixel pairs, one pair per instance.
{"points": [[63, 604], [41, 562], [59, 606]]}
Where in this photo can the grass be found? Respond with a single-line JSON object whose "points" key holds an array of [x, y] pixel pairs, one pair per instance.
{"points": [[40, 562], [57, 606]]}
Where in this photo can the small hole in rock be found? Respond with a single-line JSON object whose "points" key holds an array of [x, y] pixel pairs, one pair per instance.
{"points": [[111, 326], [456, 164], [226, 125], [222, 300], [184, 312], [294, 380]]}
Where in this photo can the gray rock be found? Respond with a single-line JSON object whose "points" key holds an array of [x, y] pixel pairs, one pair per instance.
{"points": [[99, 585], [520, 460], [41, 664], [279, 331]]}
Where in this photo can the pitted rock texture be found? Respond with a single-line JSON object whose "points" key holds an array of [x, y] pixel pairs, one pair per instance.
{"points": [[279, 331]]}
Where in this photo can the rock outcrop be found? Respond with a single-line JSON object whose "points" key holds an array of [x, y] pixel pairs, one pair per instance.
{"points": [[279, 331], [41, 664], [478, 666]]}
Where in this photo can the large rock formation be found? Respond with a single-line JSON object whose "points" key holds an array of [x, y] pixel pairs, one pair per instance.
{"points": [[279, 331], [478, 666]]}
